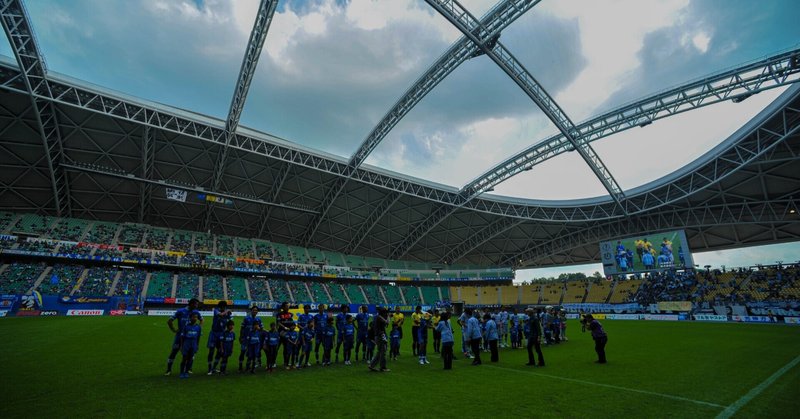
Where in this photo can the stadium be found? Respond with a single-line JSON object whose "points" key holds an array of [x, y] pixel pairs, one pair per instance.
{"points": [[226, 191]]}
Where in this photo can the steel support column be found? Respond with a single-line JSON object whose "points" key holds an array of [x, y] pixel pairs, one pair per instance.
{"points": [[148, 165]]}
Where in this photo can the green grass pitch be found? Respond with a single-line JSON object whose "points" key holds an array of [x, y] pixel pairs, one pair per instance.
{"points": [[112, 367]]}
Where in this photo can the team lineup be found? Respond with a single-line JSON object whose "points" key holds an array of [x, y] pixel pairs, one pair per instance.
{"points": [[364, 334]]}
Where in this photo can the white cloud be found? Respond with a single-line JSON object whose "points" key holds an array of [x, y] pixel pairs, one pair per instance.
{"points": [[701, 41], [612, 33]]}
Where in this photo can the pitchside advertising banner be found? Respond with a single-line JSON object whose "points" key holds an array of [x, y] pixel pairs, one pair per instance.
{"points": [[675, 306], [646, 253], [710, 318], [753, 319]]}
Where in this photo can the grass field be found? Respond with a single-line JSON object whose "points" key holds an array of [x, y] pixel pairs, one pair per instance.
{"points": [[112, 366]]}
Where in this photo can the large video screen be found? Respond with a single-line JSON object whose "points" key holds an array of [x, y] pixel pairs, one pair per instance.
{"points": [[646, 253]]}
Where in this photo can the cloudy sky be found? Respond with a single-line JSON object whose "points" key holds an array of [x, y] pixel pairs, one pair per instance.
{"points": [[331, 69]]}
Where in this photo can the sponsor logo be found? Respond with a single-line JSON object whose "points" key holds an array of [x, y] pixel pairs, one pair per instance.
{"points": [[117, 312], [28, 313], [131, 313], [49, 313], [792, 320], [160, 312], [752, 319], [623, 316], [710, 318], [83, 300], [661, 317], [169, 301], [3, 313], [85, 312]]}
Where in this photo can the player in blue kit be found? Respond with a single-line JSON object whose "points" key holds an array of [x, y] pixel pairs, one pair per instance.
{"points": [[320, 320], [394, 343], [218, 325], [341, 321], [189, 343], [254, 339], [328, 336], [292, 342], [182, 316], [362, 327], [349, 338], [422, 338], [244, 331], [304, 318], [224, 348], [271, 343], [307, 339]]}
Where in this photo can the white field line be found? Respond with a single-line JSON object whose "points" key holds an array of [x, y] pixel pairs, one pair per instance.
{"points": [[611, 386], [755, 391]]}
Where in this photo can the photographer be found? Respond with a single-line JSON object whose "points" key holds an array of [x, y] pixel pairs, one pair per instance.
{"points": [[599, 336]]}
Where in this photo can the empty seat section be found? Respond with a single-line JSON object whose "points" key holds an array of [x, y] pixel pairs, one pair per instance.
{"points": [[551, 293], [412, 295], [445, 291], [318, 294], [279, 290], [489, 295], [97, 282], [334, 258], [236, 288], [373, 294], [624, 291], [530, 294], [316, 256], [259, 289], [509, 295], [298, 254], [62, 280], [355, 294], [575, 291], [354, 261], [188, 285], [337, 295], [281, 252], [213, 287], [430, 295], [598, 292], [371, 262], [396, 264], [160, 284], [392, 294], [470, 295], [299, 292], [18, 278]]}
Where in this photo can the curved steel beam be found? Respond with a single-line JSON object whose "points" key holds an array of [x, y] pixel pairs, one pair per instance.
{"points": [[499, 226], [255, 44], [377, 213], [497, 19], [462, 19], [735, 84], [33, 71], [61, 91]]}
